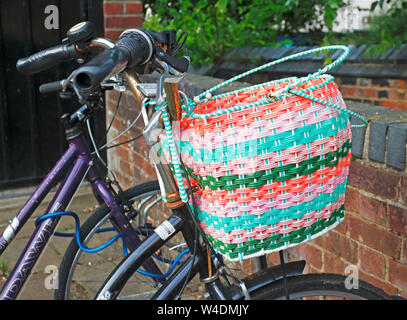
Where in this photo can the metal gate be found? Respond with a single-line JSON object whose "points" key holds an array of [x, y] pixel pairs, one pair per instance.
{"points": [[31, 137]]}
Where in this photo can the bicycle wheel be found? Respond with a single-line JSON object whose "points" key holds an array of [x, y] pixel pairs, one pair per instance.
{"points": [[81, 273], [323, 286]]}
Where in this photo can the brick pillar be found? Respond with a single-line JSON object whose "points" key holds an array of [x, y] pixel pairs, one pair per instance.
{"points": [[121, 15], [129, 161]]}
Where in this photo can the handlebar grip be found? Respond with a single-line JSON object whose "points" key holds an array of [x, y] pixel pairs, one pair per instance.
{"points": [[129, 51], [46, 59], [51, 86], [88, 77]]}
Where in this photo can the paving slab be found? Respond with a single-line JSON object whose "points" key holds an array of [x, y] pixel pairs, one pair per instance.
{"points": [[49, 261]]}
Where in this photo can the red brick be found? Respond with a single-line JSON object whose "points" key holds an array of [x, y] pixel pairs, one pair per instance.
{"points": [[149, 171], [342, 227], [113, 34], [140, 162], [141, 148], [123, 21], [113, 95], [273, 259], [374, 180], [307, 252], [398, 274], [352, 200], [113, 8], [348, 91], [403, 189], [332, 264], [399, 105], [125, 182], [403, 258], [134, 7], [374, 237], [403, 294], [395, 95], [379, 283], [372, 209], [125, 168], [309, 269], [371, 93], [248, 265], [372, 262], [339, 245], [123, 153], [118, 124], [398, 219]]}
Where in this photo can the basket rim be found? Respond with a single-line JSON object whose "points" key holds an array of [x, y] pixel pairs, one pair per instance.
{"points": [[279, 95]]}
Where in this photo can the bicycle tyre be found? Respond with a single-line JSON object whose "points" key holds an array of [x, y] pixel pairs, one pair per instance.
{"points": [[73, 254], [317, 286]]}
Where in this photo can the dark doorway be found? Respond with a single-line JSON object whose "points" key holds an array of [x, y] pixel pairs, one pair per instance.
{"points": [[31, 137]]}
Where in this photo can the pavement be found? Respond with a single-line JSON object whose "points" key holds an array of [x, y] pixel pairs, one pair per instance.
{"points": [[10, 203]]}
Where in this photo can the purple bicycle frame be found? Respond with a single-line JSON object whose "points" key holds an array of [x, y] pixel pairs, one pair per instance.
{"points": [[73, 166]]}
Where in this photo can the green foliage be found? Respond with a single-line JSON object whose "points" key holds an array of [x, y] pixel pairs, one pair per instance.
{"points": [[5, 270], [214, 27], [387, 28]]}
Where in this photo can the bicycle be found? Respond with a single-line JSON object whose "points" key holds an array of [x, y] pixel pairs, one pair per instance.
{"points": [[116, 207], [138, 49]]}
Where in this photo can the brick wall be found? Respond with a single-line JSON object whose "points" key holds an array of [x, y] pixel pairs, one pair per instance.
{"points": [[373, 80], [127, 161], [373, 235], [391, 93], [121, 15]]}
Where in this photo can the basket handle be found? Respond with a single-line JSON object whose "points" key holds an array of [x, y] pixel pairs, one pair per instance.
{"points": [[289, 89], [208, 93]]}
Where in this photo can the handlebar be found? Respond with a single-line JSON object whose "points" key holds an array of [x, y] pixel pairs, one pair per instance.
{"points": [[52, 86], [134, 51], [47, 58], [129, 51]]}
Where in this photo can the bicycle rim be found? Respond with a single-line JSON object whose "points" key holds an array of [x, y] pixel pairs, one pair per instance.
{"points": [[320, 287], [87, 271]]}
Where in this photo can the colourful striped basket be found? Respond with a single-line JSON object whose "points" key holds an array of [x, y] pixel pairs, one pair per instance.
{"points": [[270, 161]]}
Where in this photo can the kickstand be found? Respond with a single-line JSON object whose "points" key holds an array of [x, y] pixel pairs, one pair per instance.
{"points": [[283, 259]]}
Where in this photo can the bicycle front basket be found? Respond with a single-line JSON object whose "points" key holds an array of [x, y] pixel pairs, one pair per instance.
{"points": [[271, 162]]}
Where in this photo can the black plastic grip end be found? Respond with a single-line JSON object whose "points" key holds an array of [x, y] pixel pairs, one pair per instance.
{"points": [[88, 77], [46, 59], [51, 86]]}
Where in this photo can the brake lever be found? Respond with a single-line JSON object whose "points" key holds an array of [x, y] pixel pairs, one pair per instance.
{"points": [[180, 64]]}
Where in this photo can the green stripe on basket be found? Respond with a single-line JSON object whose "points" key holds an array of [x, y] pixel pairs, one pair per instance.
{"points": [[272, 143], [248, 221], [276, 241], [279, 174]]}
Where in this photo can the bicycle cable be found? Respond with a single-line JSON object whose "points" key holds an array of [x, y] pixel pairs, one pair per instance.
{"points": [[115, 113], [173, 263]]}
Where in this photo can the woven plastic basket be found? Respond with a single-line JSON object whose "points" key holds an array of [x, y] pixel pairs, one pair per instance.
{"points": [[270, 161]]}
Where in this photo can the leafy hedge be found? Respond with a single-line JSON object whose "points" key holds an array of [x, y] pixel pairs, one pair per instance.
{"points": [[214, 27]]}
